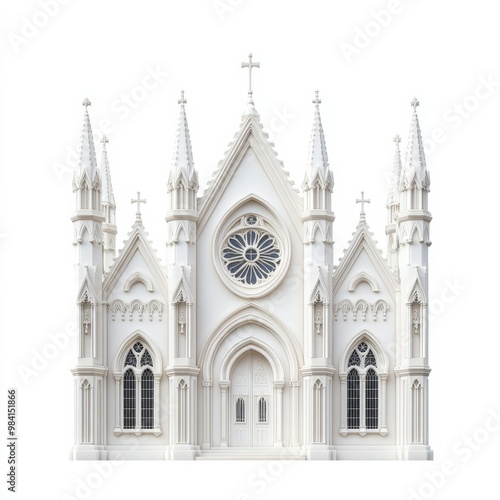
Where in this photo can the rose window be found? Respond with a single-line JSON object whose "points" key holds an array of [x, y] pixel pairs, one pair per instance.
{"points": [[251, 256]]}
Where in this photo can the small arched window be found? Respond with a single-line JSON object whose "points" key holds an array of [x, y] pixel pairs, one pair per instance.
{"points": [[240, 410], [262, 410]]}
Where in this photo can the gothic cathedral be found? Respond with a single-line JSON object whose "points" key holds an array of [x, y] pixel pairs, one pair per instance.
{"points": [[250, 343]]}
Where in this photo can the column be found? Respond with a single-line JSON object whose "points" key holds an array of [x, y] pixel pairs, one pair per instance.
{"points": [[278, 385], [224, 389], [207, 412]]}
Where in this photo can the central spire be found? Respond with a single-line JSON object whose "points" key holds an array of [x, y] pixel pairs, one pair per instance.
{"points": [[250, 65]]}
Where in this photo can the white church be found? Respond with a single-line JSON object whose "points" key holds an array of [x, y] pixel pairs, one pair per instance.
{"points": [[250, 343]]}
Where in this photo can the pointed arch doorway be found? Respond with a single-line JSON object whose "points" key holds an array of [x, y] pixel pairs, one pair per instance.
{"points": [[251, 392]]}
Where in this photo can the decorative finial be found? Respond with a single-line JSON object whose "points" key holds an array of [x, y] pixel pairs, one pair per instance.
{"points": [[362, 201], [104, 140], [414, 103], [250, 65], [397, 140], [86, 103], [138, 219], [316, 99], [182, 101]]}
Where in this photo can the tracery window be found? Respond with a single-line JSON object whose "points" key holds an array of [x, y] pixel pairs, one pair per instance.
{"points": [[251, 256], [138, 389], [262, 407], [364, 388]]}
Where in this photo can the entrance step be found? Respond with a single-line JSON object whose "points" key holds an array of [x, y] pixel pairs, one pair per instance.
{"points": [[256, 453]]}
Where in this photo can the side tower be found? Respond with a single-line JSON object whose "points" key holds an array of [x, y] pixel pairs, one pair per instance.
{"points": [[90, 371], [318, 369], [182, 217], [413, 368]]}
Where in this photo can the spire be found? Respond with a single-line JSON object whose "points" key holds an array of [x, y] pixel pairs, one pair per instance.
{"points": [[107, 188], [250, 109], [87, 164], [183, 165], [317, 169], [393, 197], [415, 166]]}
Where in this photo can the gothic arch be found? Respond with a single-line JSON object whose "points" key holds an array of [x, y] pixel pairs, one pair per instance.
{"points": [[125, 346], [381, 353], [363, 278], [250, 314], [138, 278], [246, 345]]}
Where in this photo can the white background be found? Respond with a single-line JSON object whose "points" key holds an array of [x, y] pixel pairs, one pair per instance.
{"points": [[437, 51]]}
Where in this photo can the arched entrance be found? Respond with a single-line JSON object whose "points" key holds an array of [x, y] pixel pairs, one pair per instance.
{"points": [[251, 401]]}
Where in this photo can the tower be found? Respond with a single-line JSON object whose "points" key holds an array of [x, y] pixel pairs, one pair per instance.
{"points": [[90, 370], [181, 217], [412, 232], [317, 219]]}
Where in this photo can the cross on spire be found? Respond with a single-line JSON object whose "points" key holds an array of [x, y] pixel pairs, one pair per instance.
{"points": [[414, 103], [182, 101], [363, 200], [397, 140], [250, 65], [104, 140], [86, 103], [316, 99], [138, 219]]}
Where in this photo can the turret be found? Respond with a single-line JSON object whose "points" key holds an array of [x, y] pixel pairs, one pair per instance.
{"points": [[412, 230], [393, 209], [182, 217], [317, 219], [108, 209], [90, 370]]}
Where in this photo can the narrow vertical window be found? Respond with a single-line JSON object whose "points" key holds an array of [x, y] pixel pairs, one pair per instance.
{"points": [[371, 400], [129, 399], [262, 410], [353, 400], [240, 410], [147, 399]]}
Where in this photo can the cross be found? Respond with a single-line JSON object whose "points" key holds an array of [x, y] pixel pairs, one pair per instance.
{"points": [[362, 201], [86, 103], [138, 201], [104, 140], [250, 65], [414, 103], [182, 100], [316, 99], [397, 140]]}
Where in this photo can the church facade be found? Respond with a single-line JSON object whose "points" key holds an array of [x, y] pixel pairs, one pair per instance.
{"points": [[250, 343]]}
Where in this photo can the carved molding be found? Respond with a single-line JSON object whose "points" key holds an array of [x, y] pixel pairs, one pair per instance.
{"points": [[149, 308], [359, 309]]}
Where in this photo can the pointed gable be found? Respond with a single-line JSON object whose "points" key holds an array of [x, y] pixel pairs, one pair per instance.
{"points": [[250, 137], [137, 243], [363, 244]]}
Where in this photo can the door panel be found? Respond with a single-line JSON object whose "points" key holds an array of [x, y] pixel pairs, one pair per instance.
{"points": [[251, 382]]}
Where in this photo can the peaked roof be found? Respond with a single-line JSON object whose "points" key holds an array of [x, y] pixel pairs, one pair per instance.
{"points": [[250, 136], [363, 240], [107, 189], [393, 196], [415, 166], [317, 167], [182, 168], [87, 163], [137, 241]]}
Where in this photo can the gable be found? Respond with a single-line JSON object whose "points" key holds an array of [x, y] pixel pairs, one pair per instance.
{"points": [[136, 268], [250, 167]]}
